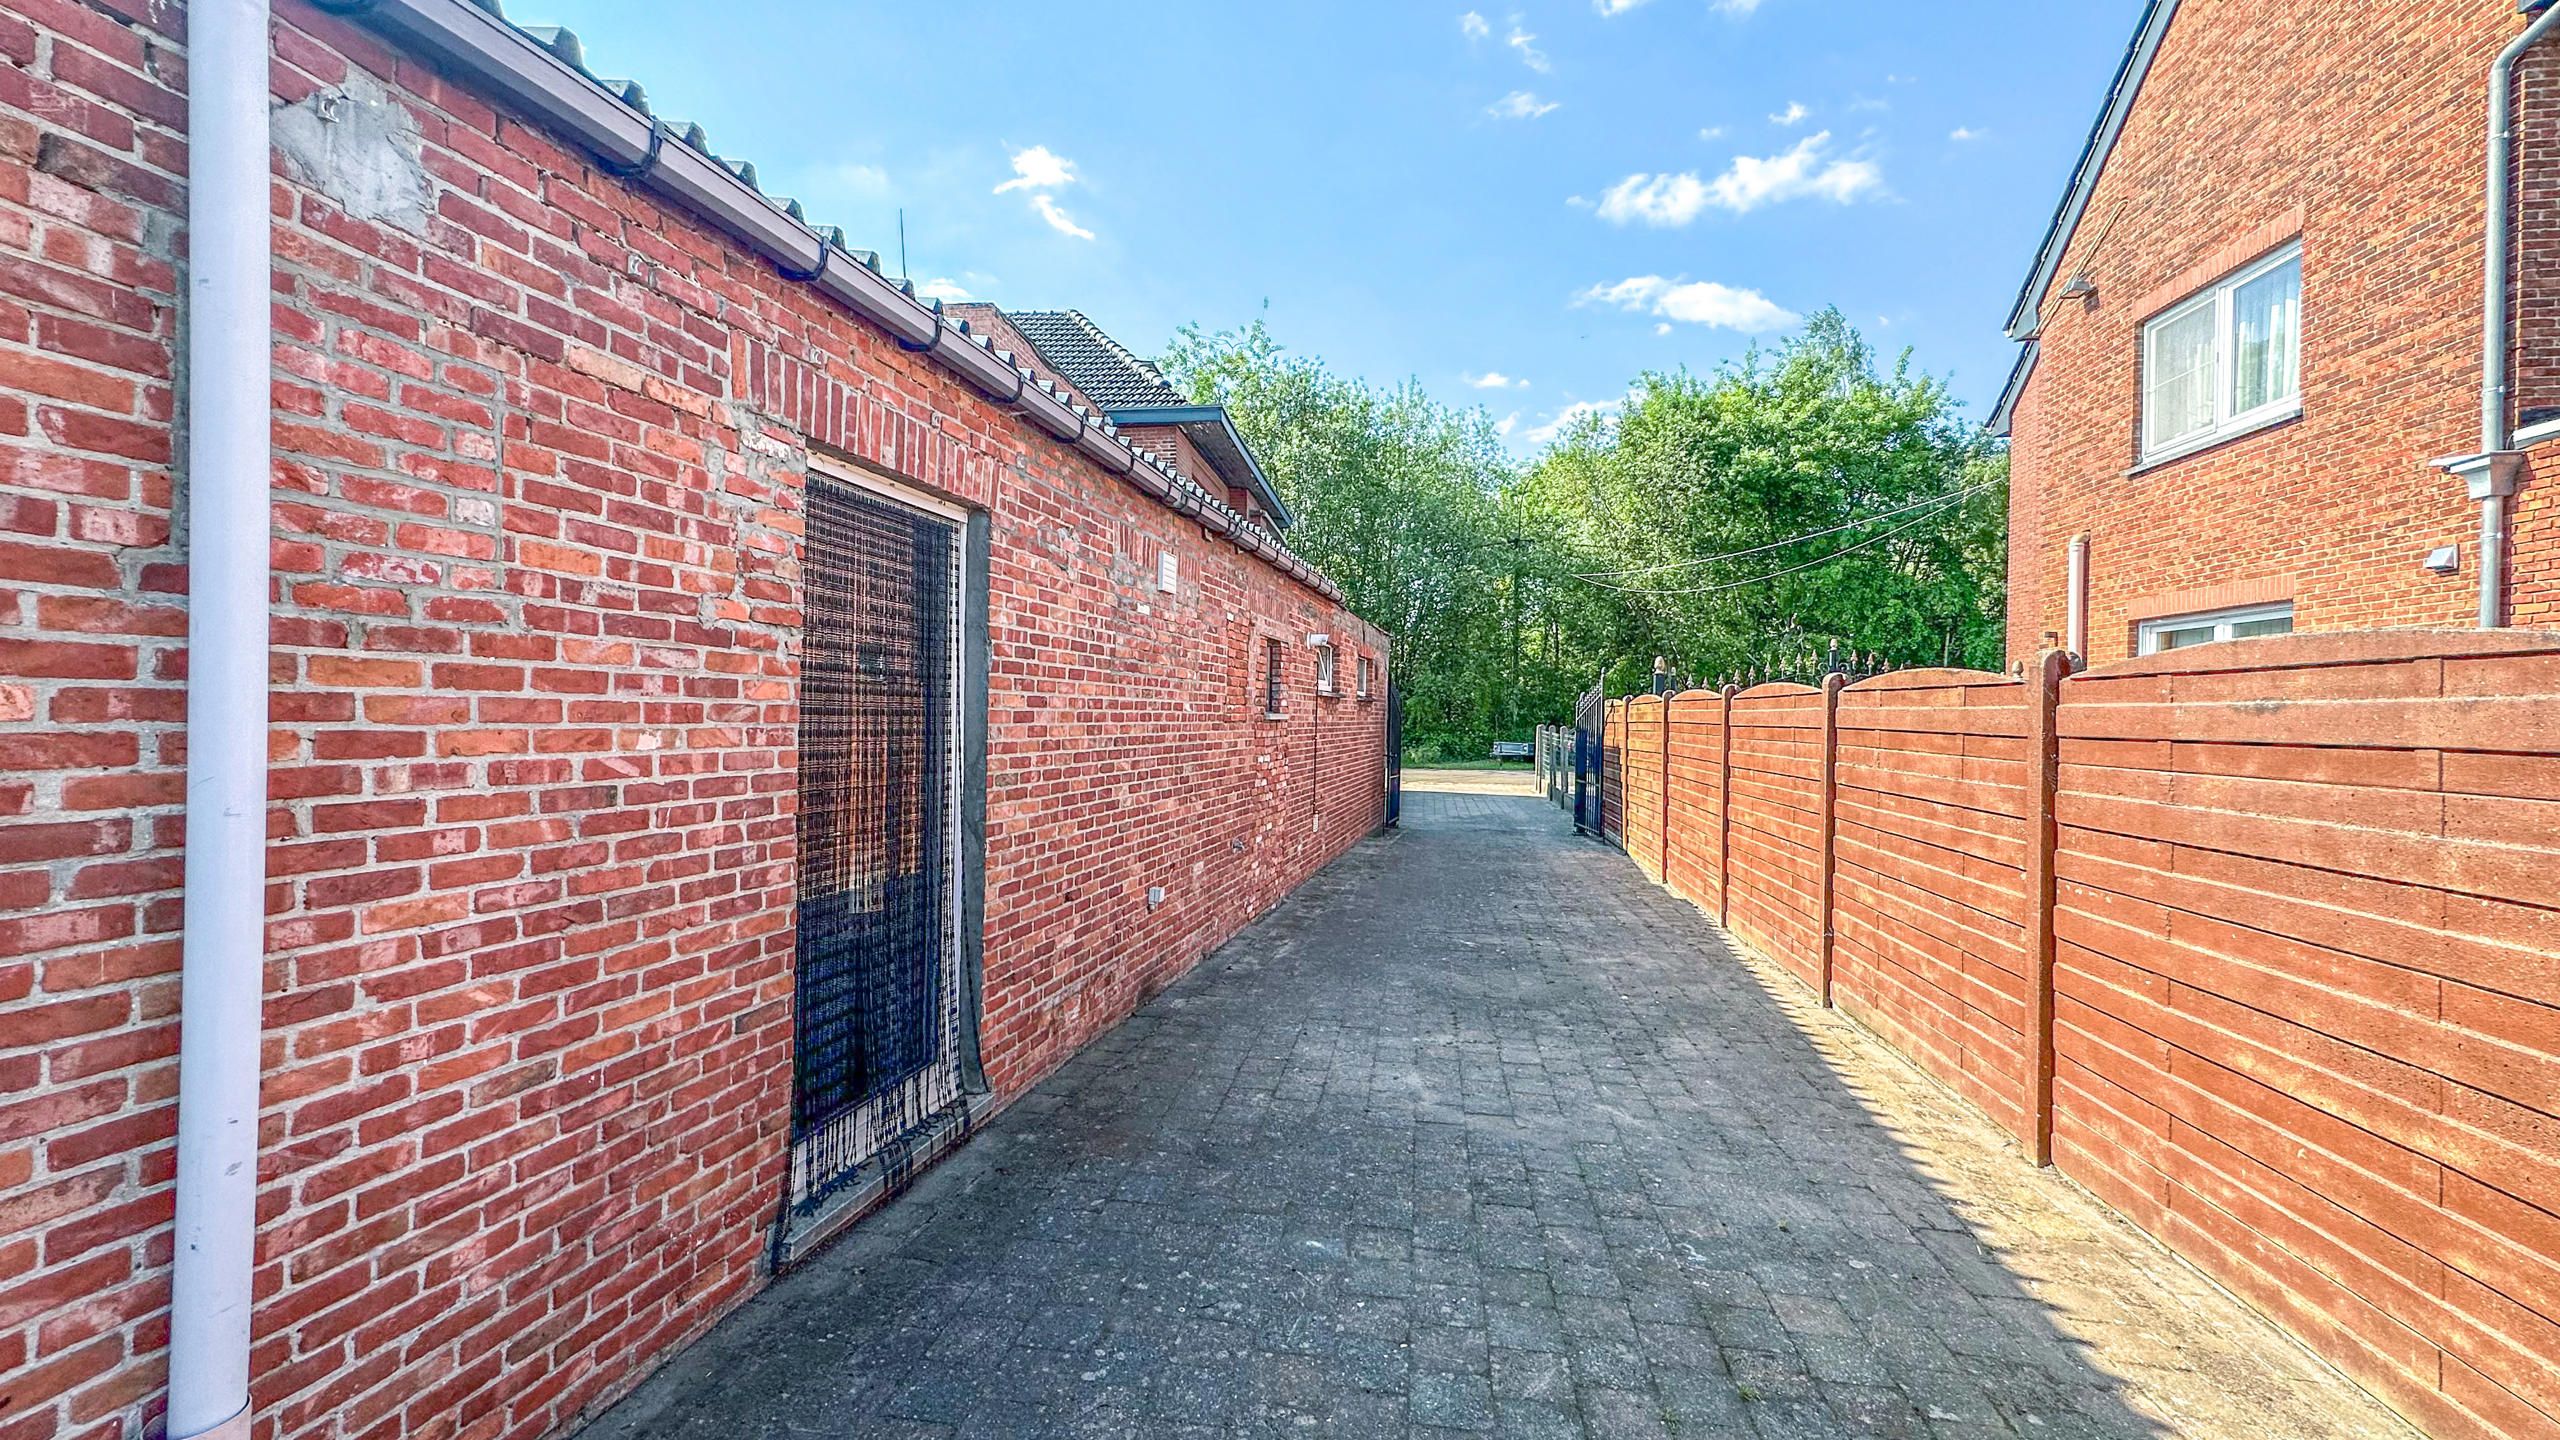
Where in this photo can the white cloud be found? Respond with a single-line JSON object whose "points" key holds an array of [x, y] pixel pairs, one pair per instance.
{"points": [[1059, 220], [1711, 132], [1807, 171], [1564, 419], [1039, 168], [1693, 302], [1737, 7], [1800, 173], [1792, 116], [1616, 7], [1662, 327], [944, 289], [1504, 426], [861, 179], [1496, 380], [1660, 200], [1520, 105], [1473, 26], [1963, 133], [1526, 43]]}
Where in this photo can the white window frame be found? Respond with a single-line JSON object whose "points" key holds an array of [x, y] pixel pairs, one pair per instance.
{"points": [[1325, 663], [2227, 423], [1364, 677], [2148, 636]]}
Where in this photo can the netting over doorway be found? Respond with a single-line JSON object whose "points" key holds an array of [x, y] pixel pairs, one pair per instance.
{"points": [[878, 987]]}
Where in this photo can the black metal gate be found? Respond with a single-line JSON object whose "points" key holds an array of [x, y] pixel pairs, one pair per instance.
{"points": [[1395, 753], [1590, 756], [879, 987]]}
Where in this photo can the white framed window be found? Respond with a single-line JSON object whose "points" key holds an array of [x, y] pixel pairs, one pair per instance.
{"points": [[1364, 677], [1324, 670], [2177, 632], [2225, 362]]}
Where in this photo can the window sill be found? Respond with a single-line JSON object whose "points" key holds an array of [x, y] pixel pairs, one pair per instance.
{"points": [[2535, 434], [2188, 450], [1273, 715]]}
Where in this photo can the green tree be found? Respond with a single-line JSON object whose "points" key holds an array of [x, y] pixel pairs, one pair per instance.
{"points": [[1793, 502]]}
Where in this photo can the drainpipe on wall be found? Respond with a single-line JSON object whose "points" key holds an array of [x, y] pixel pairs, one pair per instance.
{"points": [[228, 349], [2490, 476], [2076, 619]]}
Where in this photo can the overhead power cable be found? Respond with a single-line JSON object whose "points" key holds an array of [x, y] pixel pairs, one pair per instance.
{"points": [[1910, 524], [1601, 576]]}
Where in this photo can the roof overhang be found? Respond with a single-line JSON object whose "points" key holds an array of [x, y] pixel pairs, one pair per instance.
{"points": [[2025, 318], [2006, 411], [1214, 432]]}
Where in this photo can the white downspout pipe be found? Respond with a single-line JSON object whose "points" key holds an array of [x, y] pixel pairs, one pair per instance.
{"points": [[228, 350], [2076, 604], [2496, 481]]}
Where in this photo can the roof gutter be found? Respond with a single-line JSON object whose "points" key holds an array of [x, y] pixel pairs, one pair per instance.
{"points": [[481, 46]]}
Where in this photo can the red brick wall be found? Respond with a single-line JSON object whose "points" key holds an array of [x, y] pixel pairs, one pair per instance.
{"points": [[1930, 903], [1696, 798], [2305, 968], [1775, 862], [530, 925], [2259, 122], [1645, 810]]}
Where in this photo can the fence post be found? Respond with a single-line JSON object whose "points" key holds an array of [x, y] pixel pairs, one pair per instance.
{"points": [[1724, 811], [1666, 789], [1831, 685], [2044, 765]]}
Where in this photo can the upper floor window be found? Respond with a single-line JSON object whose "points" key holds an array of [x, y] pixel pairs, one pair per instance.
{"points": [[2182, 631], [2227, 361]]}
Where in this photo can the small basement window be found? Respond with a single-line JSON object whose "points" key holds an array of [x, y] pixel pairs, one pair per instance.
{"points": [[2179, 632], [1271, 655], [2226, 362]]}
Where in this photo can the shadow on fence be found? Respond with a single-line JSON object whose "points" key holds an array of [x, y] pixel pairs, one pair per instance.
{"points": [[2258, 941]]}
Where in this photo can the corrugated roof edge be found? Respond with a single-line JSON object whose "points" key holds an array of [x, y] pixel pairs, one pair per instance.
{"points": [[542, 71]]}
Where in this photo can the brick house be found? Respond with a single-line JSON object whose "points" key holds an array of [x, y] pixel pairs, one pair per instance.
{"points": [[2251, 395], [715, 725], [1199, 441]]}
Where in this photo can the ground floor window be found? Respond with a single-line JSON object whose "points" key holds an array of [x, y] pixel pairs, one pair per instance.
{"points": [[2180, 631]]}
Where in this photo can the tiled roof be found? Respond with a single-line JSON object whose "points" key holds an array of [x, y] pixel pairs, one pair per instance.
{"points": [[1104, 369]]}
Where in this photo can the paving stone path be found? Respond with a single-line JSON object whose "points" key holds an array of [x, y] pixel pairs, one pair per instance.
{"points": [[1480, 1133]]}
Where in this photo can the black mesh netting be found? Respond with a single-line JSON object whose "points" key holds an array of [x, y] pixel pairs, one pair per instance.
{"points": [[877, 985]]}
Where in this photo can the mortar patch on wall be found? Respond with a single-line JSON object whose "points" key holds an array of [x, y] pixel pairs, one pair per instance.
{"points": [[359, 147]]}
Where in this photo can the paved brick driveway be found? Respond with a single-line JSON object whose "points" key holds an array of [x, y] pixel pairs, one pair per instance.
{"points": [[1480, 1133]]}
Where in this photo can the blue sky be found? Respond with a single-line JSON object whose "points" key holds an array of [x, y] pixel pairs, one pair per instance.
{"points": [[1525, 206]]}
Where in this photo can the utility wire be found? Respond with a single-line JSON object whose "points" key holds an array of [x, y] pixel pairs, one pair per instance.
{"points": [[1913, 523], [1602, 576]]}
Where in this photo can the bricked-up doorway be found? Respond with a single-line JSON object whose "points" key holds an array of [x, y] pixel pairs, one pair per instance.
{"points": [[885, 988]]}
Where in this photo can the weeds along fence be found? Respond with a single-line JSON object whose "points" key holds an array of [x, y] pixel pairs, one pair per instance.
{"points": [[2260, 942]]}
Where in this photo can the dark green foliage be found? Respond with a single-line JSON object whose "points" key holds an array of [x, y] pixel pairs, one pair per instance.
{"points": [[1507, 590]]}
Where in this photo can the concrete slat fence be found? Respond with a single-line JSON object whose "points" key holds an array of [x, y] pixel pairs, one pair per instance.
{"points": [[1645, 732], [2260, 942], [1773, 861]]}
